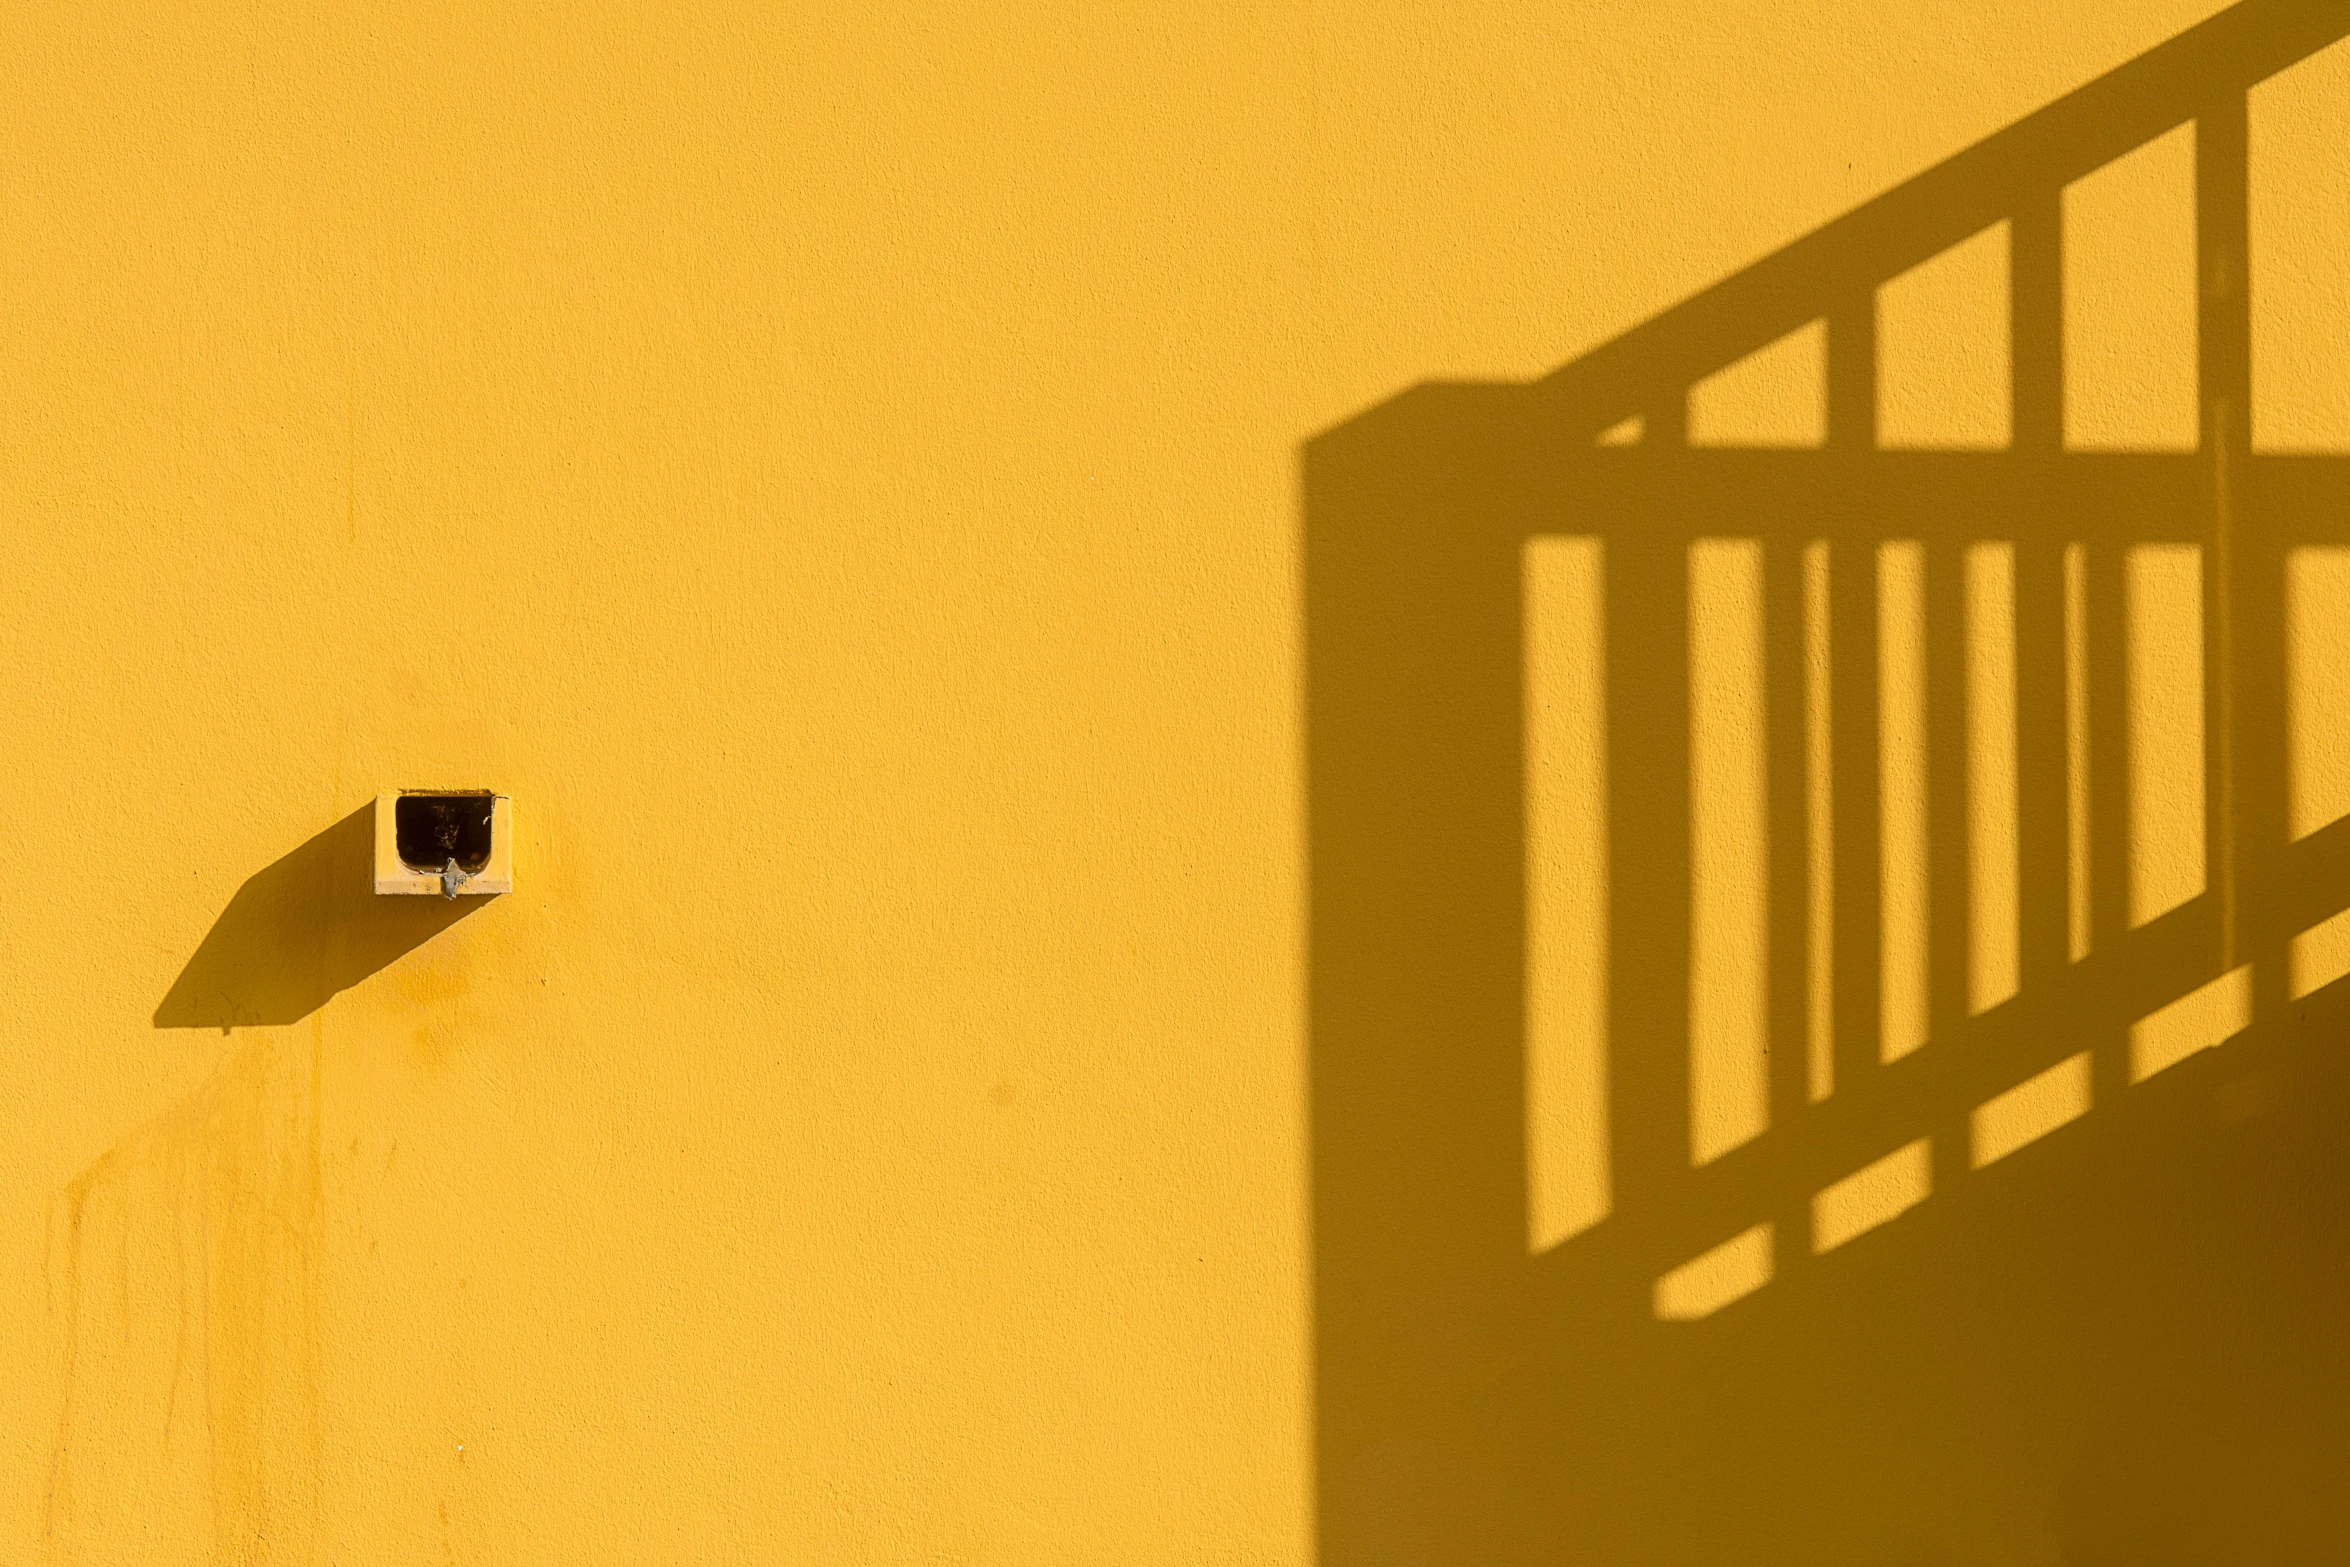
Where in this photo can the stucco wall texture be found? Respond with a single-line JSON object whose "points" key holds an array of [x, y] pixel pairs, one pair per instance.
{"points": [[837, 470]]}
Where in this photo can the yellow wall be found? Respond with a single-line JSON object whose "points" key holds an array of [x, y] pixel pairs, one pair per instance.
{"points": [[837, 470]]}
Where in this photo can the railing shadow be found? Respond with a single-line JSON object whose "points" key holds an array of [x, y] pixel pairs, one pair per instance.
{"points": [[2114, 1342]]}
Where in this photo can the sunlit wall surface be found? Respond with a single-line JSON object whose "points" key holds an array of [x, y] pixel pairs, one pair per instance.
{"points": [[860, 480]]}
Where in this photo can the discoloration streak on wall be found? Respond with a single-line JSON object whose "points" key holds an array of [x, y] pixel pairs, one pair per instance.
{"points": [[183, 1279]]}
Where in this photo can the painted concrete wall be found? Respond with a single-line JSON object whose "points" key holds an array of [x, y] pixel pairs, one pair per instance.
{"points": [[838, 470]]}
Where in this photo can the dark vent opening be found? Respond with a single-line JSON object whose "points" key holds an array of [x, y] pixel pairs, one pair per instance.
{"points": [[433, 829]]}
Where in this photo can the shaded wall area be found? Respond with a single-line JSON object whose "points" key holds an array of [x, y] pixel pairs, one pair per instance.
{"points": [[1826, 1039]]}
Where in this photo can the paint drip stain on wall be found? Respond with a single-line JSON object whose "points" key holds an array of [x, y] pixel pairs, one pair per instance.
{"points": [[183, 1283]]}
